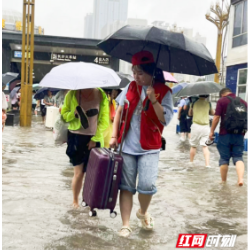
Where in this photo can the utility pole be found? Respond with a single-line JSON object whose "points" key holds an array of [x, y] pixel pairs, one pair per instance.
{"points": [[27, 62], [220, 21]]}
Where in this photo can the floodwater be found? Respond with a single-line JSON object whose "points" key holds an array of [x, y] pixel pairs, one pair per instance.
{"points": [[36, 198]]}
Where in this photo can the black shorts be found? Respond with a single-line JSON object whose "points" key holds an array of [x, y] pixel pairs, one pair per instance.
{"points": [[77, 149], [183, 125], [33, 106], [43, 110], [15, 105]]}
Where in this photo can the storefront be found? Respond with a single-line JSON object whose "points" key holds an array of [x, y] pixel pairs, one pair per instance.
{"points": [[237, 61], [237, 79], [50, 51]]}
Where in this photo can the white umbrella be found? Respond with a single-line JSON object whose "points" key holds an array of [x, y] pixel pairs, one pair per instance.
{"points": [[80, 75]]}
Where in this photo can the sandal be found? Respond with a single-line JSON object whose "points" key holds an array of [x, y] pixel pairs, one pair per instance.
{"points": [[125, 231], [146, 218]]}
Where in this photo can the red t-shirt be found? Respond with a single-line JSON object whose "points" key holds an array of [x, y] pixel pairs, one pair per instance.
{"points": [[221, 110]]}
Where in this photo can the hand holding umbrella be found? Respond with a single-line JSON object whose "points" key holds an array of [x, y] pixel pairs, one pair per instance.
{"points": [[151, 95]]}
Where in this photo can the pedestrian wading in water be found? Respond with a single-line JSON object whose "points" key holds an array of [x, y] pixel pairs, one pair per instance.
{"points": [[87, 112], [142, 141], [200, 111], [232, 111]]}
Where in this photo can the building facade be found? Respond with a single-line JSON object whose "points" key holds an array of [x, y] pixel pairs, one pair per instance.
{"points": [[89, 26], [106, 12], [237, 65], [12, 22], [50, 51]]}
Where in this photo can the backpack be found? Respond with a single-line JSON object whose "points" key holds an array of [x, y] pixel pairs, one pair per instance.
{"points": [[235, 121]]}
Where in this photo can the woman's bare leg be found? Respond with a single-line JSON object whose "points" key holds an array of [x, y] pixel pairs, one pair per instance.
{"points": [[77, 184], [144, 200], [126, 204]]}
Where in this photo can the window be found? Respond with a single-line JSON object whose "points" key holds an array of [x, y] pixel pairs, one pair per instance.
{"points": [[240, 24], [242, 84]]}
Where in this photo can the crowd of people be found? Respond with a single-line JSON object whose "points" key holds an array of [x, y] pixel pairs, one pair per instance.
{"points": [[95, 120], [193, 115], [143, 134]]}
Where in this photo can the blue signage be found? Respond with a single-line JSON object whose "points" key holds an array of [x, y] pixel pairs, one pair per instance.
{"points": [[17, 54]]}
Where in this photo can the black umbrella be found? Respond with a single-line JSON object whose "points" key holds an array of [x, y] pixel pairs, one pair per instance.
{"points": [[173, 52], [41, 93], [8, 77], [199, 88], [125, 80]]}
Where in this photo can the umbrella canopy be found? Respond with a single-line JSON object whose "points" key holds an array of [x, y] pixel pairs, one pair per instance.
{"points": [[168, 77], [80, 75], [178, 88], [36, 86], [13, 92], [41, 93], [200, 88], [14, 84], [175, 91], [8, 77], [173, 52], [125, 80]]}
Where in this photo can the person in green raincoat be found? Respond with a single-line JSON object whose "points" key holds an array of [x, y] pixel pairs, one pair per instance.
{"points": [[85, 129]]}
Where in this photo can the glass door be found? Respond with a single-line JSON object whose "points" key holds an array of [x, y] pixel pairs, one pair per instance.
{"points": [[242, 86]]}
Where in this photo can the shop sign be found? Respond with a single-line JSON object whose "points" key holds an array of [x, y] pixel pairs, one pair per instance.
{"points": [[18, 54], [63, 57], [102, 60]]}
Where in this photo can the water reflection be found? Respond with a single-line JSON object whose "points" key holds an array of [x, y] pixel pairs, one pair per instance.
{"points": [[37, 196]]}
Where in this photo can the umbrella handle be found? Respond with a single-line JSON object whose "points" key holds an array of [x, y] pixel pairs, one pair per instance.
{"points": [[152, 83], [146, 105]]}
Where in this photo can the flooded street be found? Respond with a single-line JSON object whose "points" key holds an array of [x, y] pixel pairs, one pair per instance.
{"points": [[36, 198]]}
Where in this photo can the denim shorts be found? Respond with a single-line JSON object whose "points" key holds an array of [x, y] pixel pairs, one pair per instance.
{"points": [[146, 166], [230, 145]]}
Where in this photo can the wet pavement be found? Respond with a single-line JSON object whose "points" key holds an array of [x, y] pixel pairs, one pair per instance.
{"points": [[36, 198]]}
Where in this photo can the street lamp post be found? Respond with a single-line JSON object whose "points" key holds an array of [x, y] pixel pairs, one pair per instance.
{"points": [[220, 20]]}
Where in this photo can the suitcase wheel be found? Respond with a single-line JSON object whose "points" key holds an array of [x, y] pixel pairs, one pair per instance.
{"points": [[84, 204], [113, 214], [92, 213]]}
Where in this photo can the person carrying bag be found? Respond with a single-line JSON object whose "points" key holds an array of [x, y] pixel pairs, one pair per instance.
{"points": [[142, 138]]}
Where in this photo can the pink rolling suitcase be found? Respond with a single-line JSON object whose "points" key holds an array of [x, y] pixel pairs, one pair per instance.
{"points": [[103, 178]]}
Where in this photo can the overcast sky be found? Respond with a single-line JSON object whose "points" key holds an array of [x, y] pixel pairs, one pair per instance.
{"points": [[66, 18]]}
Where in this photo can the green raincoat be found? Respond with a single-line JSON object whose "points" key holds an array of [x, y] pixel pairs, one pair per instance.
{"points": [[68, 114]]}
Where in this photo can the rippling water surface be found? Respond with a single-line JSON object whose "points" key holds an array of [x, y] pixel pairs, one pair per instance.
{"points": [[36, 198]]}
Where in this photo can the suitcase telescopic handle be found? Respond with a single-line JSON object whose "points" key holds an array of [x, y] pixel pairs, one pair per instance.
{"points": [[125, 122], [114, 178]]}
